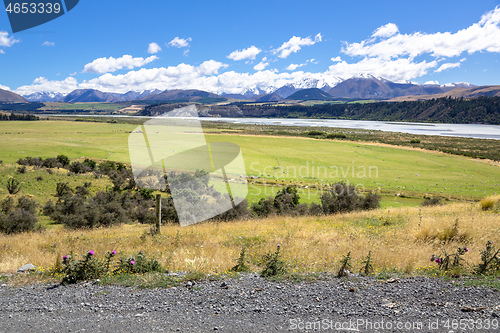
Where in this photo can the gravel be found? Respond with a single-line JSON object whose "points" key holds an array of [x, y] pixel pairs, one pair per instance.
{"points": [[253, 304]]}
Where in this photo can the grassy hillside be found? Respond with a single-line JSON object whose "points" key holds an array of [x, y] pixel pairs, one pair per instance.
{"points": [[400, 239], [302, 161]]}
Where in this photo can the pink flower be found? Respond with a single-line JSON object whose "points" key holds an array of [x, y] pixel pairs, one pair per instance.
{"points": [[132, 262], [113, 253], [438, 260], [466, 249], [91, 252]]}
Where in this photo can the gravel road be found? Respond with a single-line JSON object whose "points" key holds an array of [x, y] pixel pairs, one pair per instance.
{"points": [[253, 304]]}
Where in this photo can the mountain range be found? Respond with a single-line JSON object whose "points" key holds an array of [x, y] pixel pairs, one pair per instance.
{"points": [[355, 88]]}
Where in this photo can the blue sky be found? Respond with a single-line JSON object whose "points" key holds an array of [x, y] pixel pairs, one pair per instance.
{"points": [[235, 46]]}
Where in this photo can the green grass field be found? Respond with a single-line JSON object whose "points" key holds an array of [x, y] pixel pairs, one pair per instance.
{"points": [[305, 162]]}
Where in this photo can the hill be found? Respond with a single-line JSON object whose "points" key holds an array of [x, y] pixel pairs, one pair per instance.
{"points": [[310, 94], [370, 87], [90, 95], [10, 97], [475, 92], [178, 95]]}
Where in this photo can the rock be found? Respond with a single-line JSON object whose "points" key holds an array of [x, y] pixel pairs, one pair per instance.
{"points": [[471, 309], [224, 285], [26, 268], [392, 280], [495, 315]]}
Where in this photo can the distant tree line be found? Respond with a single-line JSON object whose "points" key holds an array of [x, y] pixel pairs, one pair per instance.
{"points": [[30, 107], [482, 110], [12, 116]]}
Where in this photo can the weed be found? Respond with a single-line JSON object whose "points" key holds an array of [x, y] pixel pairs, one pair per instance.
{"points": [[367, 268], [13, 186], [345, 265], [490, 260], [273, 265], [241, 265]]}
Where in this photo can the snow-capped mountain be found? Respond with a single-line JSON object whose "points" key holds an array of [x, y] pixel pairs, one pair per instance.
{"points": [[44, 96]]}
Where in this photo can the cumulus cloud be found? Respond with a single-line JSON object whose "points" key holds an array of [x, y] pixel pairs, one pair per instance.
{"points": [[336, 59], [261, 65], [42, 84], [434, 83], [179, 42], [47, 43], [388, 30], [397, 70], [293, 67], [4, 87], [153, 48], [106, 65], [6, 41], [249, 53], [479, 37], [295, 44], [447, 66]]}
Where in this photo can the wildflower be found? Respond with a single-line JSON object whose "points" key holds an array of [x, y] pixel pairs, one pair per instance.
{"points": [[438, 260], [91, 252], [466, 249], [132, 262], [113, 253], [279, 245]]}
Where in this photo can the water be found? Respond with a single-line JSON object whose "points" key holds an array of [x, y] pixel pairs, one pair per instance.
{"points": [[456, 130]]}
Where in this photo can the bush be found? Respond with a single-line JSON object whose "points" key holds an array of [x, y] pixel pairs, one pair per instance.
{"points": [[20, 217], [22, 169], [87, 268], [63, 159], [239, 212], [315, 133], [77, 167], [89, 163], [343, 197], [336, 136], [13, 186], [432, 202], [264, 207], [415, 141]]}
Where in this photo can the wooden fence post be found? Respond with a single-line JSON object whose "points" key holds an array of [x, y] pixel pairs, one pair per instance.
{"points": [[158, 214]]}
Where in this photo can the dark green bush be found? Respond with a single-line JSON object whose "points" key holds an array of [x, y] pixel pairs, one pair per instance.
{"points": [[17, 217], [13, 186], [432, 202], [336, 136], [343, 197], [315, 133]]}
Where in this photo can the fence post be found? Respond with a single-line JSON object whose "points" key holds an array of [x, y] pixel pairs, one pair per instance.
{"points": [[158, 214]]}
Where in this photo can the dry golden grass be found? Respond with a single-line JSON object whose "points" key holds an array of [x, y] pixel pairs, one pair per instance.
{"points": [[403, 239], [489, 203]]}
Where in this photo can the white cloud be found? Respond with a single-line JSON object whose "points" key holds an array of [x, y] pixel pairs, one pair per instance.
{"points": [[336, 59], [261, 65], [293, 67], [249, 53], [47, 43], [388, 30], [42, 84], [435, 83], [295, 44], [180, 42], [447, 66], [397, 70], [6, 41], [153, 48], [106, 65], [4, 87], [479, 37]]}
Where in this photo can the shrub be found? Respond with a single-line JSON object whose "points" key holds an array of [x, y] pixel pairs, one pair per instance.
{"points": [[432, 202], [415, 141], [22, 169], [20, 217], [489, 203], [63, 159], [239, 212], [343, 197], [336, 136], [90, 163], [13, 186], [77, 167], [264, 207], [315, 133], [63, 189]]}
